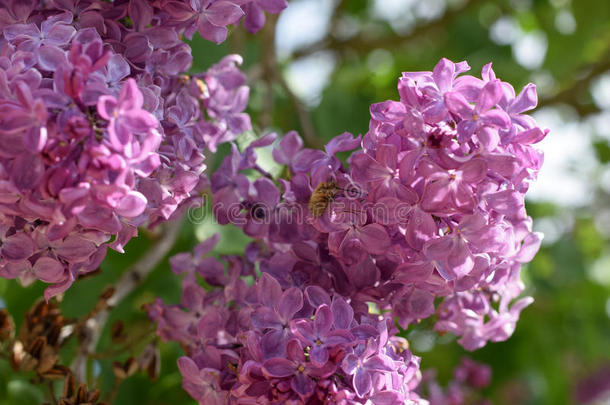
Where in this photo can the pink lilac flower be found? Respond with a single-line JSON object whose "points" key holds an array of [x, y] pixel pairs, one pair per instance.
{"points": [[431, 206], [280, 345], [322, 335], [106, 133], [125, 116]]}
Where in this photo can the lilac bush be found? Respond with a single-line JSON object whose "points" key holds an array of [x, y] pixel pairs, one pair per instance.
{"points": [[102, 131], [107, 132]]}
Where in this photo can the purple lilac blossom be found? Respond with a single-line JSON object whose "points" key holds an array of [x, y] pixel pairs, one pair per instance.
{"points": [[432, 206], [427, 218], [106, 132], [263, 343]]}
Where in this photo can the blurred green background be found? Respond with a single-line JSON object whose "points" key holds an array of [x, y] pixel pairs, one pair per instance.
{"points": [[317, 69]]}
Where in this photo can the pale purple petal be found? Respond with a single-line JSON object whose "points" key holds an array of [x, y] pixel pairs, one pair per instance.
{"points": [[443, 74], [374, 238], [302, 384], [17, 247], [189, 370], [343, 313], [132, 205], [319, 354], [279, 367], [49, 270], [222, 13], [290, 303], [362, 382], [323, 321]]}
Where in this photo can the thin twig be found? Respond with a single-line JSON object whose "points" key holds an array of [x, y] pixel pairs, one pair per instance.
{"points": [[572, 94], [130, 279], [309, 133], [140, 339], [51, 392], [254, 74], [111, 395], [272, 70], [267, 72]]}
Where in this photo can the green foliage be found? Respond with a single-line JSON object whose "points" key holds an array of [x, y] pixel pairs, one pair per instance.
{"points": [[602, 150]]}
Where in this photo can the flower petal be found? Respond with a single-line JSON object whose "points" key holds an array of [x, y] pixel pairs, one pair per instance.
{"points": [[279, 367], [17, 247], [290, 303], [132, 205], [222, 13], [362, 382], [49, 270]]}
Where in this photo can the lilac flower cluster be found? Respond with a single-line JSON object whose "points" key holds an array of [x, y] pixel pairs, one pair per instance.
{"points": [[100, 129], [432, 206], [262, 343], [427, 218]]}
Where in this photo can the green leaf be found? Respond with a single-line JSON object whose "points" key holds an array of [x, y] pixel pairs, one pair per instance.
{"points": [[602, 150]]}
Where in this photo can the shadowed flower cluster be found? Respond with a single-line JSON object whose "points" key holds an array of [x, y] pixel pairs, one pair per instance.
{"points": [[100, 130], [262, 343]]}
